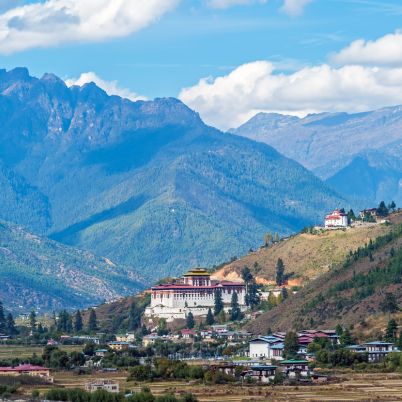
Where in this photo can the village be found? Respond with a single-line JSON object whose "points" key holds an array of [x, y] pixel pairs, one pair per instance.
{"points": [[198, 321]]}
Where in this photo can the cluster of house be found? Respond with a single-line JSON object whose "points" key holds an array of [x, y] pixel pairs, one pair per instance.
{"points": [[27, 369], [213, 333], [194, 292], [339, 219], [272, 346]]}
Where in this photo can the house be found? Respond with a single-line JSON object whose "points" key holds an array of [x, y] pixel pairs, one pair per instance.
{"points": [[128, 337], [150, 339], [194, 292], [107, 385], [336, 219], [294, 369], [261, 373], [372, 212], [378, 350], [263, 347], [52, 342], [188, 333], [101, 352], [84, 339], [119, 346], [27, 369]]}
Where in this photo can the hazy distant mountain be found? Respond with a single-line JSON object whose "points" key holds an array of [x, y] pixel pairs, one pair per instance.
{"points": [[37, 272], [329, 143], [147, 184]]}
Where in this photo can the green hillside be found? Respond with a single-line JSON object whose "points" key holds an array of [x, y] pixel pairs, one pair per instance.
{"points": [[350, 294], [39, 273]]}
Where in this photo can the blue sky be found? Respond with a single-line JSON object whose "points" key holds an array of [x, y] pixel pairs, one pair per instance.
{"points": [[177, 44]]}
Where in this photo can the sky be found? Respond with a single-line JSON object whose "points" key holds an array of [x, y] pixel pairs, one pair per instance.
{"points": [[226, 59]]}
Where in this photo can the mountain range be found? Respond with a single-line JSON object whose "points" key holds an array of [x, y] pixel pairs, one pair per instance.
{"points": [[39, 273], [146, 184], [359, 155]]}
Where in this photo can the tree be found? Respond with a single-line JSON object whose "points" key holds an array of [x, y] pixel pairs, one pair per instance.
{"points": [[267, 239], [92, 321], [246, 275], [10, 325], [235, 312], [351, 216], [32, 321], [252, 295], [382, 209], [339, 329], [346, 338], [78, 325], [2, 319], [190, 320], [392, 206], [284, 293], [210, 317], [389, 303], [390, 333], [280, 270], [291, 345], [218, 307], [64, 323], [134, 319]]}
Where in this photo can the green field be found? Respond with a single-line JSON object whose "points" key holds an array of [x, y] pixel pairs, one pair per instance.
{"points": [[21, 352]]}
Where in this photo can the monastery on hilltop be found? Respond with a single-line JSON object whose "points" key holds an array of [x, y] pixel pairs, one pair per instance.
{"points": [[195, 292]]}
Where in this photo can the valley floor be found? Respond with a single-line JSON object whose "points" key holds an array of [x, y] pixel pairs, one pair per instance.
{"points": [[352, 387]]}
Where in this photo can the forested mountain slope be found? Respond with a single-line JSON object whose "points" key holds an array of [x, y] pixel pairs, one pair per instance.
{"points": [[349, 294], [36, 272], [147, 183]]}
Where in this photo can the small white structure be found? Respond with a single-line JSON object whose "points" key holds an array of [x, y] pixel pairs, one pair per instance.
{"points": [[194, 292], [107, 385], [266, 347], [336, 219]]}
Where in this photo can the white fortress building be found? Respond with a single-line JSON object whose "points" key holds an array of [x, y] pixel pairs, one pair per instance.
{"points": [[195, 292], [336, 219]]}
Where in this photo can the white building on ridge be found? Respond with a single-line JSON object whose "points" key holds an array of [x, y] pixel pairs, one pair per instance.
{"points": [[336, 219], [194, 292]]}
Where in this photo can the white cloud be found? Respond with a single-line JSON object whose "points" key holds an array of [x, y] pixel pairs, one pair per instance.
{"points": [[230, 3], [230, 100], [386, 50], [110, 87], [295, 7], [53, 22]]}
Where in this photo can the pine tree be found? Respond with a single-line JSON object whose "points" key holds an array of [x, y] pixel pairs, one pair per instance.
{"points": [[390, 333], [252, 295], [280, 270], [382, 209], [339, 329], [134, 320], [210, 317], [190, 320], [284, 293], [78, 325], [92, 321], [10, 325], [291, 345], [346, 338], [2, 319], [32, 321], [235, 312], [218, 302]]}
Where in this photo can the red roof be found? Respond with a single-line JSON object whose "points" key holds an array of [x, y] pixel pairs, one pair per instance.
{"points": [[23, 367], [173, 286]]}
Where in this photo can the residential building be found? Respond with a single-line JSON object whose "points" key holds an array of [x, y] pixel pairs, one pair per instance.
{"points": [[101, 352], [107, 385], [378, 350], [27, 369], [194, 292], [261, 373], [371, 212], [119, 346], [266, 347], [336, 219], [294, 369]]}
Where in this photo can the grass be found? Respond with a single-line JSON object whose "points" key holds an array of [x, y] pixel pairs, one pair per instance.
{"points": [[307, 255]]}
